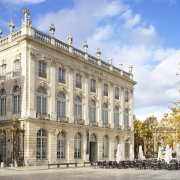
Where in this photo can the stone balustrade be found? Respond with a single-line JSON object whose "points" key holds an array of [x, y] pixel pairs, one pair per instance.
{"points": [[57, 43]]}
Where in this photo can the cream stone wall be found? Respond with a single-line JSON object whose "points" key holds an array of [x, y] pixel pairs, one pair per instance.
{"points": [[30, 50]]}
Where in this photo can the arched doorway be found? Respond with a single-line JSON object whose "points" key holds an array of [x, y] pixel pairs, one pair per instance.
{"points": [[93, 148]]}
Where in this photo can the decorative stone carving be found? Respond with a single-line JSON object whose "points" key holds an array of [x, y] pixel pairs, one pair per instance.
{"points": [[94, 98], [26, 21], [0, 32], [56, 132], [110, 61], [85, 46], [11, 27], [130, 68], [106, 100], [98, 53], [52, 30], [70, 40]]}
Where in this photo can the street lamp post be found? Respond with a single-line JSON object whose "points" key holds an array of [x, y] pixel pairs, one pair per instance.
{"points": [[17, 140]]}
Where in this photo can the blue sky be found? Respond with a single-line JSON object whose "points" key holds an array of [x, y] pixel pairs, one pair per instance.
{"points": [[144, 33]]}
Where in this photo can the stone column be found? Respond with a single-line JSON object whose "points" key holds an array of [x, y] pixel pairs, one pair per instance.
{"points": [[86, 103], [32, 81], [122, 108], [131, 120], [70, 111], [25, 91], [52, 146], [111, 112], [99, 113], [53, 89]]}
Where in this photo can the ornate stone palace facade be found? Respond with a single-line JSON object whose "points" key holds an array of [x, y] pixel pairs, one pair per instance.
{"points": [[60, 104]]}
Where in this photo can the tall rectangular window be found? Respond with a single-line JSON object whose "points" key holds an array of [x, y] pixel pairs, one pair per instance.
{"points": [[126, 96], [42, 69], [93, 85], [62, 73], [17, 66], [116, 93], [105, 89], [3, 70], [78, 81]]}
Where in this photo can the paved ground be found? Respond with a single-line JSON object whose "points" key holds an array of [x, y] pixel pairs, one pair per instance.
{"points": [[87, 173]]}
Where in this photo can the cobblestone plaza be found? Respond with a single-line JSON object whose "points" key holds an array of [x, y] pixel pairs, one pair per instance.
{"points": [[79, 173]]}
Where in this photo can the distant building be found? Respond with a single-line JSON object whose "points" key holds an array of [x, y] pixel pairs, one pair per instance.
{"points": [[60, 104]]}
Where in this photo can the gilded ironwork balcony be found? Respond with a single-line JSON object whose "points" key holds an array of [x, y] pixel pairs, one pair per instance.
{"points": [[94, 124], [117, 126], [16, 73], [106, 125], [79, 121], [2, 77], [79, 85], [43, 116], [93, 89], [105, 93], [129, 128], [62, 80], [63, 119], [126, 100], [42, 74], [116, 96]]}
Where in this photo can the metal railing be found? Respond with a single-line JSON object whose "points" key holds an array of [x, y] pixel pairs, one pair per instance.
{"points": [[43, 116]]}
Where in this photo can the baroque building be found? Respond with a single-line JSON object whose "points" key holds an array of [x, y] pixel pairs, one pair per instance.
{"points": [[60, 104]]}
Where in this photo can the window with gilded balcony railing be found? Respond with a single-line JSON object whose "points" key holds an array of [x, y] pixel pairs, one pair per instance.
{"points": [[41, 101], [61, 105], [2, 102], [78, 81], [105, 114], [126, 119], [116, 117], [62, 75], [42, 69], [77, 108], [92, 111]]}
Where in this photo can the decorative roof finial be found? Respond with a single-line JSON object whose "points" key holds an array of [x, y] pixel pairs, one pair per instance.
{"points": [[130, 68], [26, 13], [11, 27], [26, 21], [110, 61], [0, 32], [70, 40], [98, 53], [52, 30], [85, 46]]}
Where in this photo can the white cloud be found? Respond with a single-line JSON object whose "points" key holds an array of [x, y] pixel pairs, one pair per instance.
{"points": [[118, 32], [20, 2]]}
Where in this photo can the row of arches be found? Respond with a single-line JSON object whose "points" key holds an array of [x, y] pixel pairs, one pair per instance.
{"points": [[42, 102], [42, 145]]}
